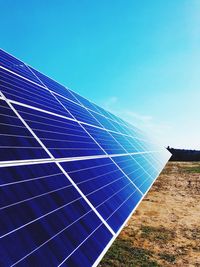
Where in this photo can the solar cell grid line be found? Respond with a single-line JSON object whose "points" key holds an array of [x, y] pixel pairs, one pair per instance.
{"points": [[31, 70], [20, 75], [78, 112], [48, 160], [8, 240], [114, 237], [106, 180], [130, 148], [85, 198], [106, 123], [103, 112], [71, 140], [63, 91], [113, 126], [86, 103], [54, 86], [12, 101], [49, 153], [125, 148], [132, 156], [89, 105], [155, 159], [15, 88], [85, 128], [121, 129], [95, 108], [167, 156], [75, 99], [147, 165], [71, 180], [152, 161], [95, 139], [15, 134], [134, 171], [60, 115], [32, 73], [47, 88], [106, 153], [41, 84], [26, 125], [105, 140], [52, 131], [161, 157], [15, 64]]}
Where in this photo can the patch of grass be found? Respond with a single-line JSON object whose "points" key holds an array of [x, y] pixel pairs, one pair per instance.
{"points": [[193, 234], [167, 257], [159, 234], [123, 254], [195, 169]]}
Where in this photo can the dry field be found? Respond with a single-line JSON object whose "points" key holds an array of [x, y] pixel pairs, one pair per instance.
{"points": [[165, 228]]}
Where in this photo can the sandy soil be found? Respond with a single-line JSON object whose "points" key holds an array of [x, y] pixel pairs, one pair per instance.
{"points": [[165, 229]]}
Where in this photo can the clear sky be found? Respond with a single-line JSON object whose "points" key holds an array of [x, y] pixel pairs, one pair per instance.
{"points": [[140, 59]]}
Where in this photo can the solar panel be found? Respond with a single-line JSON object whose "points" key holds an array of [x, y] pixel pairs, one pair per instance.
{"points": [[71, 173]]}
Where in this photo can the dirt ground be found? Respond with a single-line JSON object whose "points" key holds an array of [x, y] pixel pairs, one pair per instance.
{"points": [[165, 228]]}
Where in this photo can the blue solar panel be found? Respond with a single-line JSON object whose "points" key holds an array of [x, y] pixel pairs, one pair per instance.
{"points": [[104, 112], [16, 142], [41, 211], [71, 173], [86, 103], [105, 140], [17, 66], [80, 113], [106, 123], [106, 187], [63, 137], [138, 175], [54, 86], [18, 89]]}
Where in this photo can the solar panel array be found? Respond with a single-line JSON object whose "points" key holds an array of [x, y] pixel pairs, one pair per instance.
{"points": [[71, 173]]}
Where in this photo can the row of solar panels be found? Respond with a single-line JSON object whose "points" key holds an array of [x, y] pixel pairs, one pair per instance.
{"points": [[34, 94], [63, 137], [58, 121], [59, 219], [71, 173]]}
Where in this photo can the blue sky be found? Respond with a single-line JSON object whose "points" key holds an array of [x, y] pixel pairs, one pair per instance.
{"points": [[140, 59]]}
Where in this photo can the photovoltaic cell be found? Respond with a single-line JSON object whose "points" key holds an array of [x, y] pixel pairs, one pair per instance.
{"points": [[106, 123], [54, 86], [135, 172], [16, 142], [71, 172], [120, 128], [18, 89], [105, 140], [63, 137], [86, 103], [106, 187], [79, 113], [123, 141], [41, 211], [17, 66], [104, 112]]}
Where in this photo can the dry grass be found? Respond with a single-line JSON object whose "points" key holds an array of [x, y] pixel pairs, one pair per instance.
{"points": [[165, 229]]}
